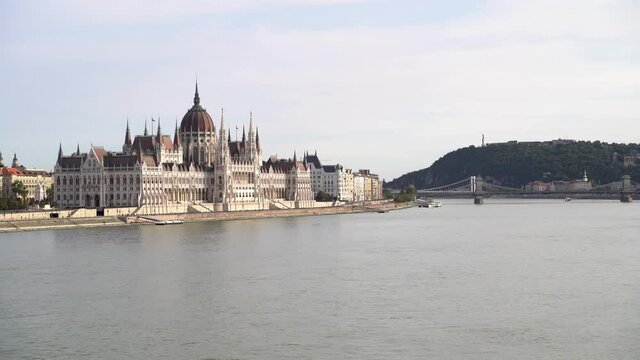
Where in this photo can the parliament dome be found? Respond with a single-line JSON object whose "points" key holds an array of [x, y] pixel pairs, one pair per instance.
{"points": [[196, 119]]}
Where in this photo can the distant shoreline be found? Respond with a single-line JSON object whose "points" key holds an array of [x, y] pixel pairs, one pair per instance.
{"points": [[538, 196], [92, 222]]}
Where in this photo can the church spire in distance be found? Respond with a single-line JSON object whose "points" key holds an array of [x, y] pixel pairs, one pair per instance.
{"points": [[159, 134], [127, 135], [176, 136]]}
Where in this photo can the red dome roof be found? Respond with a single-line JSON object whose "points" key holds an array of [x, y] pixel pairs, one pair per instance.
{"points": [[197, 118]]}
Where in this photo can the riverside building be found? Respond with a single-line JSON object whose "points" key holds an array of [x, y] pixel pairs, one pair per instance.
{"points": [[341, 183], [36, 181], [200, 168]]}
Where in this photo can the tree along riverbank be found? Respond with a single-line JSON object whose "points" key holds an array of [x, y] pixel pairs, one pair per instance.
{"points": [[75, 223]]}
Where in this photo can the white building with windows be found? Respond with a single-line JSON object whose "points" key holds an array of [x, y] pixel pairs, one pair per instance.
{"points": [[201, 165], [334, 180]]}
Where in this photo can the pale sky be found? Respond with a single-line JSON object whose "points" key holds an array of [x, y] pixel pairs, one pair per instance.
{"points": [[390, 85]]}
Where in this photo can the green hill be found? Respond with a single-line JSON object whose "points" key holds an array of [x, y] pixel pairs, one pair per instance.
{"points": [[515, 164]]}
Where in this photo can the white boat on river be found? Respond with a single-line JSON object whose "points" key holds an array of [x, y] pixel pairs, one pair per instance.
{"points": [[427, 203]]}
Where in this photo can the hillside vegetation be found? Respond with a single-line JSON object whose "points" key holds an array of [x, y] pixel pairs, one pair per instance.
{"points": [[515, 164]]}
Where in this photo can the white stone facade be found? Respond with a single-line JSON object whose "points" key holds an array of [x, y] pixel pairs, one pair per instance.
{"points": [[199, 166]]}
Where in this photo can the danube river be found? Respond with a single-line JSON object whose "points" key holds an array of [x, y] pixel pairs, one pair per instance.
{"points": [[505, 280]]}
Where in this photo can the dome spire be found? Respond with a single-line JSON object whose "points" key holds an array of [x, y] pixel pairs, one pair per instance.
{"points": [[196, 98]]}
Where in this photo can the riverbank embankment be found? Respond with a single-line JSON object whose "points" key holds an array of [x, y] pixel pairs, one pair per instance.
{"points": [[75, 223]]}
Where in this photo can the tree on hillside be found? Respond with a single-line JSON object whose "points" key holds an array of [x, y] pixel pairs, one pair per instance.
{"points": [[516, 164]]}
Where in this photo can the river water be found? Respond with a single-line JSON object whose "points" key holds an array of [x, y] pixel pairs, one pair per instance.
{"points": [[505, 280]]}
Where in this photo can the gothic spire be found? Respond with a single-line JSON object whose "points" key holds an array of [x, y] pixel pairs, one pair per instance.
{"points": [[229, 138], [60, 154], [257, 140], [222, 125], [78, 150], [176, 136], [127, 135], [244, 136], [295, 158], [159, 134], [146, 133]]}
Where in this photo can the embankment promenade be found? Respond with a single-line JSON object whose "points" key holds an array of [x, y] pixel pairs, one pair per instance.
{"points": [[103, 221]]}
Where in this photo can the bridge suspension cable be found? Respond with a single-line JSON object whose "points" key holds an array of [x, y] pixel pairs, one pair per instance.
{"points": [[462, 185]]}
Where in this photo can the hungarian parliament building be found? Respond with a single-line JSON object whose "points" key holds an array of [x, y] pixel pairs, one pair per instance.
{"points": [[203, 169]]}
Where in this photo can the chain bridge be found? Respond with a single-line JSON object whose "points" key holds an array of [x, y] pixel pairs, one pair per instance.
{"points": [[478, 188]]}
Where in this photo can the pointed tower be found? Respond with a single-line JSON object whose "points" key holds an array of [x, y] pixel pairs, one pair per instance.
{"points": [[223, 144], [146, 133], [252, 145], [15, 162], [244, 136], [176, 137], [222, 134], [126, 147], [257, 140], [60, 154], [223, 171], [159, 134]]}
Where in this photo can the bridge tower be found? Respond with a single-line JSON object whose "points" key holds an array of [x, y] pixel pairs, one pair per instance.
{"points": [[477, 185], [627, 189]]}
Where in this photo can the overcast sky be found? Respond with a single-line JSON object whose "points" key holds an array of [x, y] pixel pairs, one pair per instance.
{"points": [[390, 85]]}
